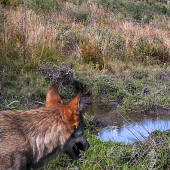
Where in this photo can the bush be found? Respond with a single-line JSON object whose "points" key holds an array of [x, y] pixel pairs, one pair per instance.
{"points": [[11, 53], [79, 13], [117, 47], [155, 50], [14, 3], [43, 5], [70, 41], [138, 10], [92, 54]]}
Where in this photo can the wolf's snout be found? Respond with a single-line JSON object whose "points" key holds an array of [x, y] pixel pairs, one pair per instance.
{"points": [[84, 145]]}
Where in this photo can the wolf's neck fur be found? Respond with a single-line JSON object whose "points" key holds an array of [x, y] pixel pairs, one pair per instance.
{"points": [[46, 131]]}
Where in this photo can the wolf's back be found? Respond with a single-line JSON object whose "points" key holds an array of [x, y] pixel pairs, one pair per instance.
{"points": [[13, 144]]}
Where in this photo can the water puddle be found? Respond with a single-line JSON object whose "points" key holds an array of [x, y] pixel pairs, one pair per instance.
{"points": [[126, 127]]}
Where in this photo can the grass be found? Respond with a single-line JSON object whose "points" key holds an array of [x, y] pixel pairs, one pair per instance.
{"points": [[114, 155], [27, 94], [143, 11], [117, 50], [68, 32], [136, 89]]}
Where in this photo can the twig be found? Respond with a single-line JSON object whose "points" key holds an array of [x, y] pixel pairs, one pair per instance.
{"points": [[23, 24], [92, 162], [16, 101], [157, 92], [129, 129], [39, 102]]}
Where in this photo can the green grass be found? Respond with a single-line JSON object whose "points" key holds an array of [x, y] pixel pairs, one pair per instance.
{"points": [[23, 90], [136, 89], [114, 155], [143, 11], [118, 51]]}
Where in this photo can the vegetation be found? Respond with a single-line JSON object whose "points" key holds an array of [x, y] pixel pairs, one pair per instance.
{"points": [[116, 50], [104, 46], [113, 155]]}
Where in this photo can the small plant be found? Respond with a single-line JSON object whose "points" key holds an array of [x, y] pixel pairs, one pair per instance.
{"points": [[14, 3], [154, 51], [92, 54], [42, 5], [69, 41], [80, 13]]}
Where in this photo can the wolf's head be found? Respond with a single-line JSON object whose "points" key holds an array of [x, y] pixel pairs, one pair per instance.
{"points": [[76, 142], [73, 120]]}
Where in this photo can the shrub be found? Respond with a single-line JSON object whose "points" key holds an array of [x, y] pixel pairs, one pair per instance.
{"points": [[69, 41], [92, 54], [117, 47], [155, 50], [13, 3], [43, 5], [138, 10], [10, 53], [45, 53], [79, 13]]}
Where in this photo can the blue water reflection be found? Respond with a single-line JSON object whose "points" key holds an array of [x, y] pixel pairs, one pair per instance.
{"points": [[128, 127], [130, 132]]}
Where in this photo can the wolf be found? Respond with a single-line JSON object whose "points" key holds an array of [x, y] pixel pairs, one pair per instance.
{"points": [[30, 138]]}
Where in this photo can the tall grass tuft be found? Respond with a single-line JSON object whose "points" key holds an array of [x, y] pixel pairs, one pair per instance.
{"points": [[80, 13], [92, 54]]}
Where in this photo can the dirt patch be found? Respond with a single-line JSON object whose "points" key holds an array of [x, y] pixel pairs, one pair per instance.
{"points": [[158, 110]]}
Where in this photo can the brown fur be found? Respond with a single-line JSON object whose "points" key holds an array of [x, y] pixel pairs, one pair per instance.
{"points": [[27, 138]]}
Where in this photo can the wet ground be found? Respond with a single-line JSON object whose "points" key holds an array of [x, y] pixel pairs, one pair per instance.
{"points": [[126, 127]]}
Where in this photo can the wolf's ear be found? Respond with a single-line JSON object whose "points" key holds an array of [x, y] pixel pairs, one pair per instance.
{"points": [[52, 96], [71, 111]]}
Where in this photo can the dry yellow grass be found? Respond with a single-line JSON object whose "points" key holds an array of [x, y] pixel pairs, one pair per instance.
{"points": [[47, 29]]}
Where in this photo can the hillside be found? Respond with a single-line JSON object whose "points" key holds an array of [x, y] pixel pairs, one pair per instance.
{"points": [[113, 50], [104, 40]]}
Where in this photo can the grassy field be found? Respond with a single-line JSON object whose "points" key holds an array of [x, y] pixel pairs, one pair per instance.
{"points": [[111, 50], [153, 154], [121, 57]]}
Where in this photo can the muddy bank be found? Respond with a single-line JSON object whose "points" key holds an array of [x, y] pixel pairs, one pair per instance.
{"points": [[105, 113], [154, 111], [158, 110], [100, 123]]}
